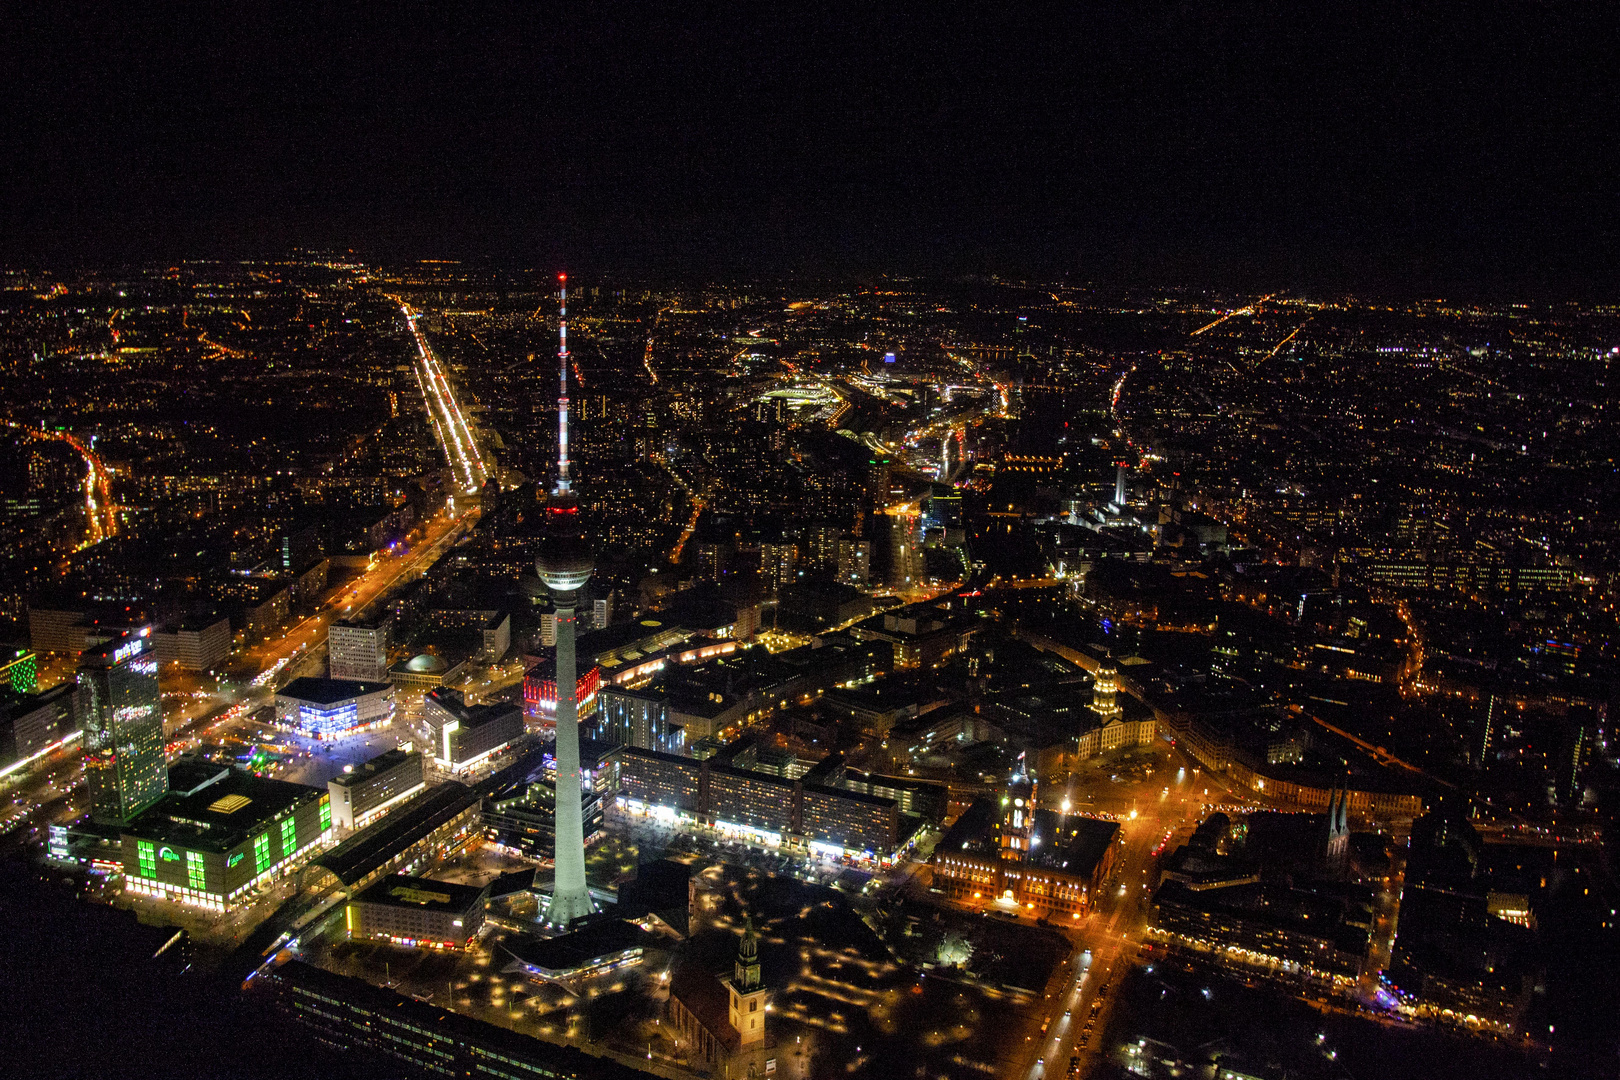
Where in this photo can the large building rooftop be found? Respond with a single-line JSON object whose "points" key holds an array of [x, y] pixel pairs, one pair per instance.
{"points": [[581, 951], [1067, 842], [372, 847], [329, 691], [423, 894], [384, 761], [1071, 842], [215, 807]]}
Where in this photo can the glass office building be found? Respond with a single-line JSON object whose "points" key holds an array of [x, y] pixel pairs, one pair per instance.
{"points": [[122, 720]]}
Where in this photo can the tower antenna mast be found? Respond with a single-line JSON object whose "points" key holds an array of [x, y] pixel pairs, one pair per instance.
{"points": [[564, 485]]}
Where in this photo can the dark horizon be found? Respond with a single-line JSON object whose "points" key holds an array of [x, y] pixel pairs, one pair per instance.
{"points": [[1411, 149]]}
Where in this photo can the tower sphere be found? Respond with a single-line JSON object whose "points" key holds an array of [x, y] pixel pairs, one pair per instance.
{"points": [[564, 561]]}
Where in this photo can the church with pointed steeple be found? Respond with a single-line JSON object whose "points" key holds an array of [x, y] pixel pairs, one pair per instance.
{"points": [[1336, 850], [720, 1018], [747, 1006]]}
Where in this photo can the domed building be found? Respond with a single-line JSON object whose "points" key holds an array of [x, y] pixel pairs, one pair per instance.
{"points": [[426, 664], [428, 670]]}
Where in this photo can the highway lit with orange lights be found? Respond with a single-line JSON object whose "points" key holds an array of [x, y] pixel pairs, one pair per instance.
{"points": [[100, 515], [1250, 310]]}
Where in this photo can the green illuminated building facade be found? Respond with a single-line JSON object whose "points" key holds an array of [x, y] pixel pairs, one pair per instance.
{"points": [[20, 671], [219, 833]]}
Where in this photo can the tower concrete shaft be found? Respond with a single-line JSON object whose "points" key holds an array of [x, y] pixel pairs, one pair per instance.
{"points": [[570, 899]]}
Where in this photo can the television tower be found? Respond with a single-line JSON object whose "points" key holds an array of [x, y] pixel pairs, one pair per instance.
{"points": [[565, 565]]}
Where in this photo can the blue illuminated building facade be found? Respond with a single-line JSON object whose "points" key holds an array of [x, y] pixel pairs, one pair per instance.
{"points": [[334, 708]]}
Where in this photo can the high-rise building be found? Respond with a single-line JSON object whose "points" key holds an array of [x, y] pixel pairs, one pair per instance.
{"points": [[1569, 757], [777, 564], [821, 548], [710, 560], [565, 564], [358, 650], [879, 489], [122, 718], [638, 718], [599, 614], [904, 558], [945, 512], [32, 725], [298, 547], [1490, 720], [854, 562], [769, 410]]}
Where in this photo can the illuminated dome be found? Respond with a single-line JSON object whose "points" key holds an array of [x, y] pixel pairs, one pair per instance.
{"points": [[565, 562], [425, 664]]}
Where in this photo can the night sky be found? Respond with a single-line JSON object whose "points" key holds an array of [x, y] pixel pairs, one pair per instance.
{"points": [[1227, 143]]}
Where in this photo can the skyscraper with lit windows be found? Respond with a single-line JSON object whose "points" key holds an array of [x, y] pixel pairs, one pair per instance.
{"points": [[122, 718]]}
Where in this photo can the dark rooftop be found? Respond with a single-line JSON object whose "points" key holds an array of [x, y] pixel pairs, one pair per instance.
{"points": [[384, 761], [700, 991], [362, 1002], [1068, 842], [402, 890], [470, 716], [570, 952], [1071, 842], [374, 845], [329, 691], [515, 882]]}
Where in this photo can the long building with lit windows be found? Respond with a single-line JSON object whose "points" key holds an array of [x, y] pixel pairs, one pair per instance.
{"points": [[34, 725], [353, 1014], [813, 811], [219, 832]]}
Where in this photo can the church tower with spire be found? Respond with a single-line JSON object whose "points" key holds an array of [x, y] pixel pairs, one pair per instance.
{"points": [[1336, 850], [747, 992]]}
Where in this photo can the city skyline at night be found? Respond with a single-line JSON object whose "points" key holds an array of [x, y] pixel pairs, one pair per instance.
{"points": [[712, 543]]}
